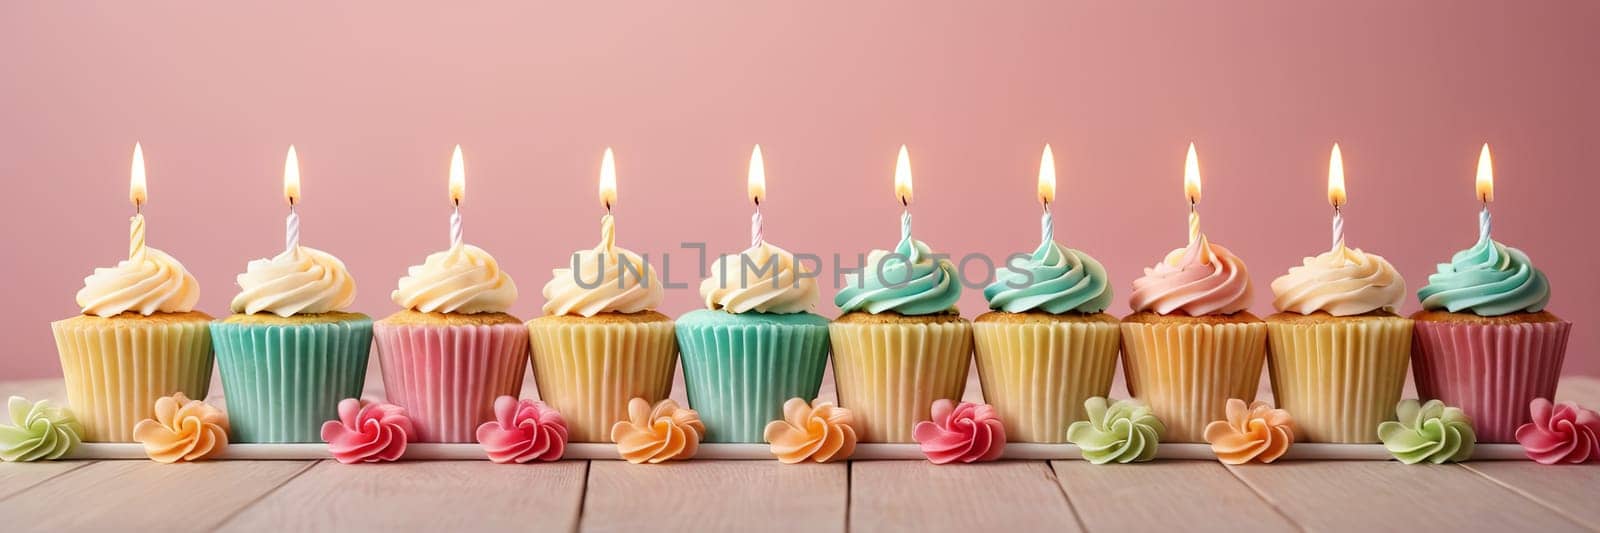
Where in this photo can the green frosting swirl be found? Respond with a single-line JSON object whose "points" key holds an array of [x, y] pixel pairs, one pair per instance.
{"points": [[1489, 279], [1125, 432], [1055, 280], [38, 431], [1428, 432], [908, 280]]}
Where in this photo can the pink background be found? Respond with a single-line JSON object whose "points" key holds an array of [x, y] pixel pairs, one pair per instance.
{"points": [[375, 95]]}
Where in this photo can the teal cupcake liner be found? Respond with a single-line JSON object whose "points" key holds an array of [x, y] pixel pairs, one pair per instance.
{"points": [[740, 368], [280, 383]]}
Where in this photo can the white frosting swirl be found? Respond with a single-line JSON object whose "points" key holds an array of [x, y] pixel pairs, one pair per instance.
{"points": [[1342, 282], [464, 279], [598, 282], [764, 279], [149, 282], [304, 281]]}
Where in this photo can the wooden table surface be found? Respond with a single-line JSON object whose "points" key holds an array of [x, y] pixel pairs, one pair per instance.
{"points": [[766, 496]]}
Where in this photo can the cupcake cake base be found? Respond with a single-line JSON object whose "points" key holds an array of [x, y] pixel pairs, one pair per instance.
{"points": [[740, 368], [1186, 368], [588, 368], [446, 369], [889, 368], [116, 367], [1490, 367], [1339, 376], [284, 376], [1038, 368]]}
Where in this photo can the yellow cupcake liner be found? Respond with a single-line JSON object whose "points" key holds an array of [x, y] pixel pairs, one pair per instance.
{"points": [[116, 372], [588, 372], [1339, 379], [1186, 372], [888, 375], [1037, 375]]}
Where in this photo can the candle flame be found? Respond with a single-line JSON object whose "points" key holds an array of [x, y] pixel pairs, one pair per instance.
{"points": [[1191, 176], [1336, 194], [1047, 175], [902, 176], [137, 192], [291, 177], [757, 183], [458, 177], [1485, 175], [608, 179]]}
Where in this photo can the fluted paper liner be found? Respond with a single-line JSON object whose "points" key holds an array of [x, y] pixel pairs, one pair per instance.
{"points": [[447, 377], [888, 375], [1037, 375], [1339, 378], [738, 376], [1186, 372], [1490, 371], [588, 372], [283, 381], [115, 373]]}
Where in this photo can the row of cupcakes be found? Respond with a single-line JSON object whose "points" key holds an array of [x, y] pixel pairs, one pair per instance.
{"points": [[292, 350]]}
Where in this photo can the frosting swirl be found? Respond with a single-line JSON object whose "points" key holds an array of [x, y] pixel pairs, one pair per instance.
{"points": [[148, 282], [1341, 282], [1055, 280], [1488, 279], [368, 432], [764, 278], [1256, 432], [907, 280], [1125, 432], [523, 431], [819, 432], [1428, 432], [605, 279], [183, 430], [305, 280], [1202, 279], [968, 432], [38, 431], [464, 279], [654, 434], [1559, 433]]}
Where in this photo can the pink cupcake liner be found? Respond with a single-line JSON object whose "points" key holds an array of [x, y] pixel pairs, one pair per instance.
{"points": [[447, 377], [1490, 371]]}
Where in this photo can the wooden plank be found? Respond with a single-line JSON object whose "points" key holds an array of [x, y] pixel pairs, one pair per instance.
{"points": [[1199, 495], [765, 496], [145, 495], [423, 496], [17, 477], [1010, 496], [1567, 489], [1389, 496]]}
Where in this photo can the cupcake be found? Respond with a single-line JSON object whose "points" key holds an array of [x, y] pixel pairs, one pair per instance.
{"points": [[1337, 352], [900, 344], [1047, 345], [453, 349], [139, 339], [1484, 341], [755, 346], [1190, 344], [601, 343], [290, 353]]}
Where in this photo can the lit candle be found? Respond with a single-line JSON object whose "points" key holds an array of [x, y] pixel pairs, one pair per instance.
{"points": [[1485, 191], [902, 189], [458, 192], [757, 185], [291, 193], [138, 194], [608, 197], [1191, 190], [1336, 195], [1047, 194]]}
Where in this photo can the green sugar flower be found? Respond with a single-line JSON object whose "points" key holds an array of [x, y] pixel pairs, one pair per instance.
{"points": [[38, 431], [1428, 432], [1125, 432]]}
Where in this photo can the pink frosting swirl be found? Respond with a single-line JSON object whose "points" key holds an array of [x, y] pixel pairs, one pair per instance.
{"points": [[368, 432], [1560, 433], [1203, 279], [967, 432], [523, 431]]}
